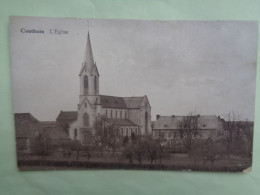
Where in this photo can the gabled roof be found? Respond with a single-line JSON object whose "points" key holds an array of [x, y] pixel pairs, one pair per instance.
{"points": [[112, 102], [68, 116], [26, 125], [25, 116], [205, 122], [133, 102], [120, 122]]}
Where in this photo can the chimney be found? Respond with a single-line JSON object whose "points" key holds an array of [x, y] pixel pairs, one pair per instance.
{"points": [[157, 116]]}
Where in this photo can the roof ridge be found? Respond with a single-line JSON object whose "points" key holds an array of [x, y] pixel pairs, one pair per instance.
{"points": [[110, 96], [134, 96], [186, 115]]}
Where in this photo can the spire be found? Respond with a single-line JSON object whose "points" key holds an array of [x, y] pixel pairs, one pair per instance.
{"points": [[89, 60]]}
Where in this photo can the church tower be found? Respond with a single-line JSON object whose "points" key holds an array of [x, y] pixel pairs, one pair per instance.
{"points": [[89, 77], [89, 100]]}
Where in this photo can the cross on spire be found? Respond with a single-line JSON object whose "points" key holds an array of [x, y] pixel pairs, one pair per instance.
{"points": [[88, 25]]}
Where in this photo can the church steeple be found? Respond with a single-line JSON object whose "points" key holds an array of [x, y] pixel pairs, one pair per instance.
{"points": [[89, 60], [89, 76]]}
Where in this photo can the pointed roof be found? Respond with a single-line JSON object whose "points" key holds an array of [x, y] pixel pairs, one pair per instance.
{"points": [[89, 60]]}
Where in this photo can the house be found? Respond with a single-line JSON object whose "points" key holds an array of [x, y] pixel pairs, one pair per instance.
{"points": [[27, 128], [169, 128]]}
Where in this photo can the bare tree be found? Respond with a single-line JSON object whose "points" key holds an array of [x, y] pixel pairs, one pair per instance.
{"points": [[42, 145], [188, 129], [105, 135]]}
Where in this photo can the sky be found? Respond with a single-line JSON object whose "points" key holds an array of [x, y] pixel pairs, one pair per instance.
{"points": [[204, 67]]}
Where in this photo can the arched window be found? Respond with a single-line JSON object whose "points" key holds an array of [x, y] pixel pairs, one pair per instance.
{"points": [[127, 131], [125, 114], [85, 82], [120, 113], [95, 83], [111, 114], [75, 133], [86, 119], [146, 123]]}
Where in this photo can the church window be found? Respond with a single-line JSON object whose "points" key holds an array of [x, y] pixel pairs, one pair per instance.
{"points": [[95, 83], [86, 119], [75, 133], [146, 123], [85, 82]]}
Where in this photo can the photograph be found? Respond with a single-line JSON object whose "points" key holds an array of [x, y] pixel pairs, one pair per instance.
{"points": [[95, 94]]}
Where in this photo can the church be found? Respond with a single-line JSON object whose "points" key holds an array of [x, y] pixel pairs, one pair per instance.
{"points": [[128, 115]]}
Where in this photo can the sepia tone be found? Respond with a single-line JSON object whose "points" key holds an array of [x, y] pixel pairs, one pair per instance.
{"points": [[121, 131]]}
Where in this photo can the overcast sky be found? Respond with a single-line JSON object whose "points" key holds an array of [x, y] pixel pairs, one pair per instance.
{"points": [[182, 66]]}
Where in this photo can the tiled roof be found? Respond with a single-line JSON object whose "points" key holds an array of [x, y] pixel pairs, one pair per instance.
{"points": [[205, 122], [120, 122], [25, 116], [112, 102], [133, 102], [68, 115], [26, 125]]}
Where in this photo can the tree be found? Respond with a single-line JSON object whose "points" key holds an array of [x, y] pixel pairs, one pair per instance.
{"points": [[139, 149], [196, 152], [238, 135], [105, 135], [125, 140], [188, 129], [42, 145], [232, 124], [76, 146], [129, 154], [154, 149]]}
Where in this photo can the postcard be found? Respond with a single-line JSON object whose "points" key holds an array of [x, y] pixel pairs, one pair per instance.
{"points": [[133, 94]]}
